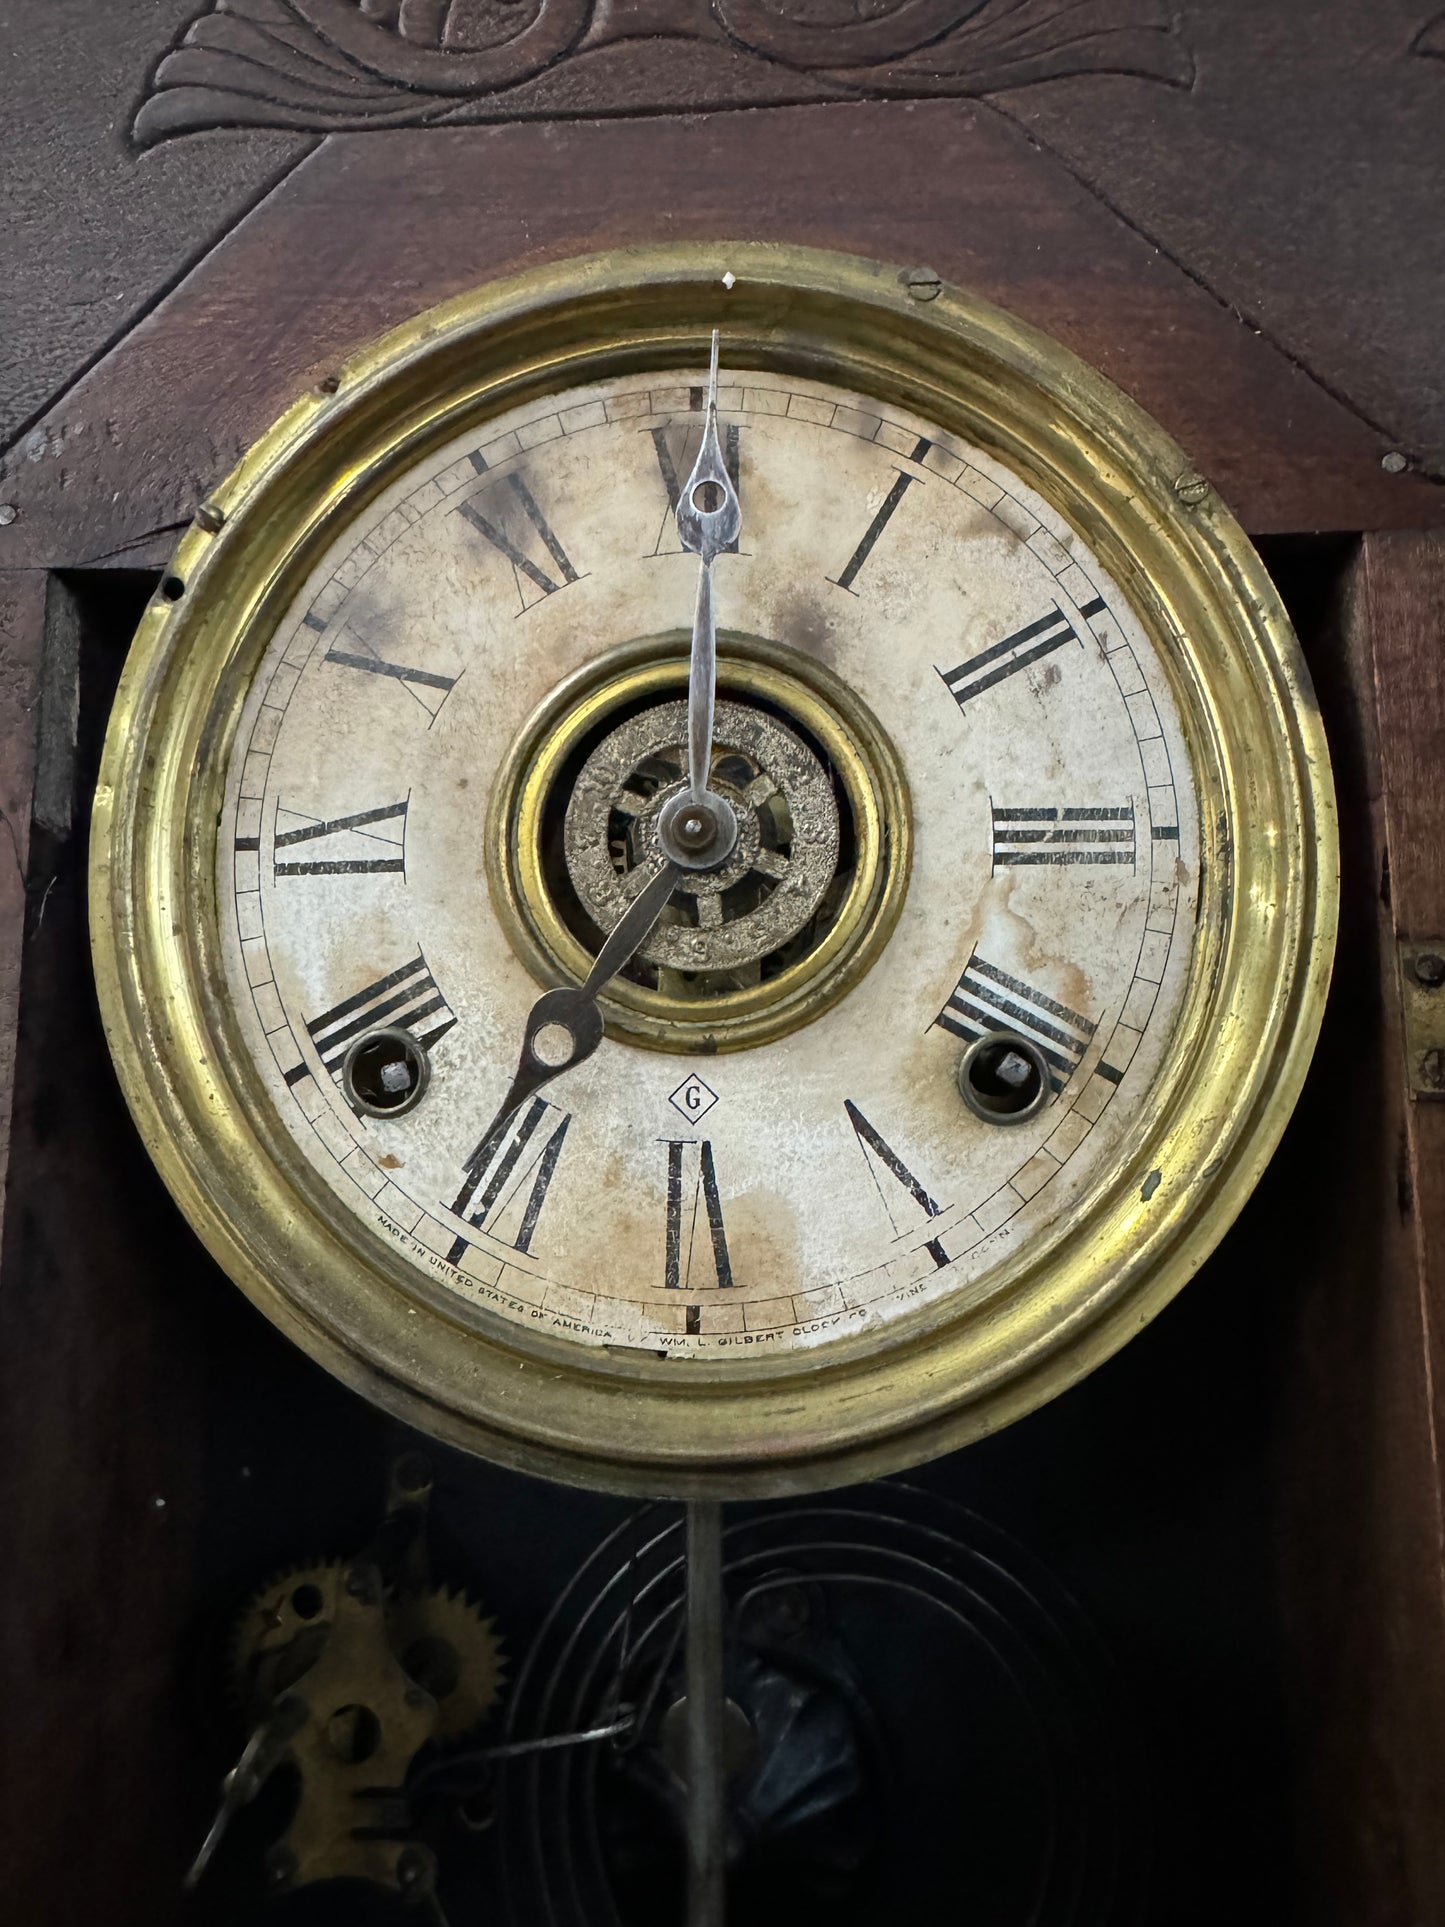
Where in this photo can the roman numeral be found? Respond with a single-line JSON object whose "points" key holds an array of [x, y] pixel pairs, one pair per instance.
{"points": [[371, 843], [986, 998], [875, 528], [407, 998], [884, 1162], [1051, 835], [423, 685], [509, 505], [495, 1195], [675, 469], [1002, 659], [683, 1211]]}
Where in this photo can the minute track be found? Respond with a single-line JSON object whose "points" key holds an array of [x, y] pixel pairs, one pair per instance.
{"points": [[530, 1201]]}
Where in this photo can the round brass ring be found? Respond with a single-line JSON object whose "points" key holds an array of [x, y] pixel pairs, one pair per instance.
{"points": [[958, 1369], [655, 670]]}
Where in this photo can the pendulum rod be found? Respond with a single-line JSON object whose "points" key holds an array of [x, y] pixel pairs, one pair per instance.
{"points": [[706, 1834]]}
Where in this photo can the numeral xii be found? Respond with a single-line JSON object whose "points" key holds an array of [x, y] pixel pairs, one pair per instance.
{"points": [[668, 468]]}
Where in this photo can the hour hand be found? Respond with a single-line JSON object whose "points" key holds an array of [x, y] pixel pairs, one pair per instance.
{"points": [[564, 1027]]}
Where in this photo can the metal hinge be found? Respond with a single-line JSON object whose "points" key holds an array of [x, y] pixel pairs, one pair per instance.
{"points": [[1422, 1005]]}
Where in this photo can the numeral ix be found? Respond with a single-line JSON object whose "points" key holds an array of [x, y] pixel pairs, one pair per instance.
{"points": [[371, 843]]}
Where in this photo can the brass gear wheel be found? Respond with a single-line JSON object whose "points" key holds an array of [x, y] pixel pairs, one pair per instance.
{"points": [[445, 1645], [441, 1639]]}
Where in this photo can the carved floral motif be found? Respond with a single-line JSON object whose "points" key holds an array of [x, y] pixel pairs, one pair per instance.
{"points": [[336, 64]]}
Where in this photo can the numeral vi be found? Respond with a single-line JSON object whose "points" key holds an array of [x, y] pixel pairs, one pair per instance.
{"points": [[692, 1192]]}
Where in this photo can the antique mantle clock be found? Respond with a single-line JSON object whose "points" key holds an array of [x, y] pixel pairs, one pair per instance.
{"points": [[709, 867]]}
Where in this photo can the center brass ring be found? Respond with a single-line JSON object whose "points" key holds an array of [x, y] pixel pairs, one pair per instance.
{"points": [[778, 933]]}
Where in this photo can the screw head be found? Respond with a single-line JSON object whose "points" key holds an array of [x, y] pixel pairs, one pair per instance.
{"points": [[329, 384], [8, 514], [700, 836], [695, 828], [1429, 968], [1394, 462], [922, 283], [1191, 488], [210, 518]]}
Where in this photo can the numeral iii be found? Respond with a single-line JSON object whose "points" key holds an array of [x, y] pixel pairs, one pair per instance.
{"points": [[1048, 834]]}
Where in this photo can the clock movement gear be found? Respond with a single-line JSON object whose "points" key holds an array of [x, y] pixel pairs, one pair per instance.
{"points": [[748, 948], [733, 921], [343, 1671], [443, 1642], [447, 1646]]}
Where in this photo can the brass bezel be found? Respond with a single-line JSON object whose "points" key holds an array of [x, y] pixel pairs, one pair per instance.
{"points": [[935, 1379], [857, 748]]}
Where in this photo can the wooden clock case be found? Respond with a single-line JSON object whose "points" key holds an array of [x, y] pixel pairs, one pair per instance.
{"points": [[1258, 1524]]}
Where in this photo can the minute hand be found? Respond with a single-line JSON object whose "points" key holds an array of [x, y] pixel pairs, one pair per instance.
{"points": [[709, 517]]}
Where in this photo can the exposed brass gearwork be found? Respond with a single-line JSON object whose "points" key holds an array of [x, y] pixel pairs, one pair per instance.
{"points": [[800, 910], [441, 1639]]}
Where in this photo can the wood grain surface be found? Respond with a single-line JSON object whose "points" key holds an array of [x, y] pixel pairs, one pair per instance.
{"points": [[372, 228], [1358, 1494], [22, 625]]}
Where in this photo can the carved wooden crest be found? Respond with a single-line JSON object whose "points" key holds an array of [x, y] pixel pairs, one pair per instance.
{"points": [[330, 65]]}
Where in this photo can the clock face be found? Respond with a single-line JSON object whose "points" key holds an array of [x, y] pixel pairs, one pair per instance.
{"points": [[905, 1114], [851, 1075]]}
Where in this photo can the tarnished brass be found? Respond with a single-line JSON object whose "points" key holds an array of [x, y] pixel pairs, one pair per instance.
{"points": [[1422, 1006], [654, 672], [936, 1378]]}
